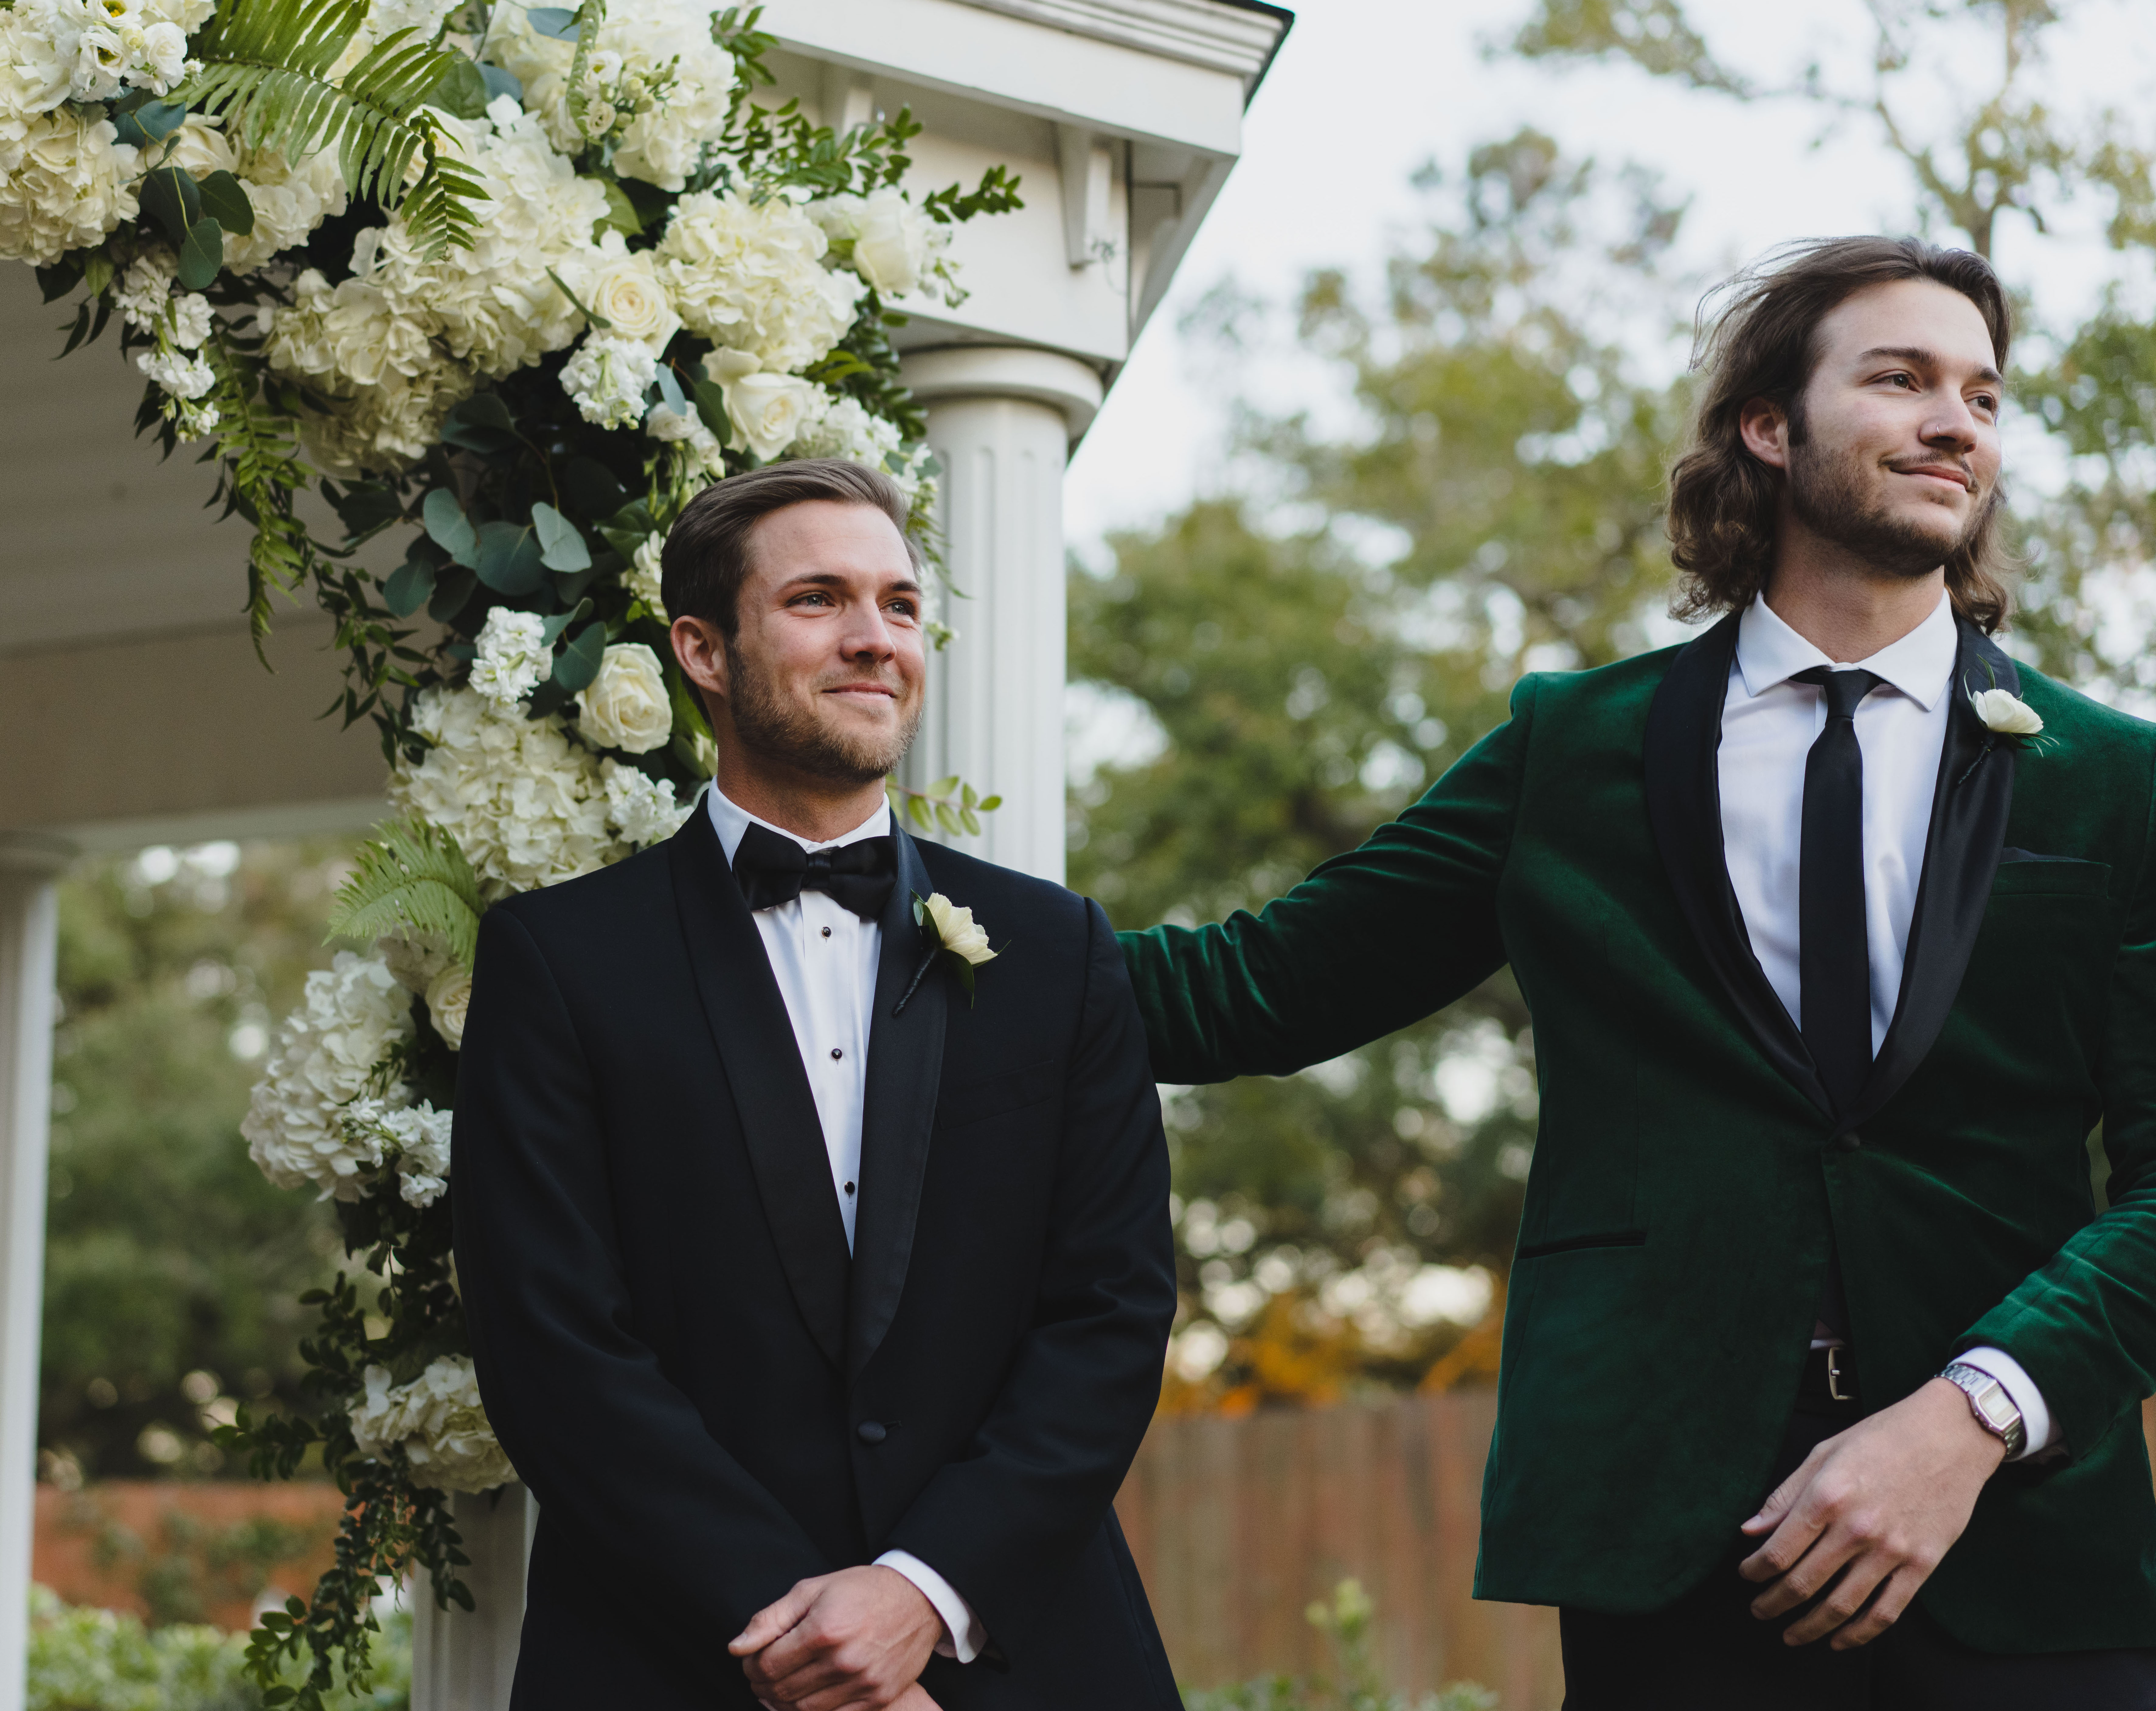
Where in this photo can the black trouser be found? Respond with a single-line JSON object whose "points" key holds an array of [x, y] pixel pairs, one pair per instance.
{"points": [[1708, 1652]]}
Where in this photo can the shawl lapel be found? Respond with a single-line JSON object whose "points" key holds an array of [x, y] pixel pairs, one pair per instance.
{"points": [[906, 1066], [748, 1022], [1970, 806], [1684, 804]]}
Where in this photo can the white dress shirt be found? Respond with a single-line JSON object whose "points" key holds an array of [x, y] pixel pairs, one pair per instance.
{"points": [[1769, 724], [824, 957]]}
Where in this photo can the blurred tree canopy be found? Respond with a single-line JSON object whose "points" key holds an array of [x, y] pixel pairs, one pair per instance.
{"points": [[172, 1265], [1494, 507]]}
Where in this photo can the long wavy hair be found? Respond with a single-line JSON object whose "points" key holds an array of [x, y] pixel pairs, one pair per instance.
{"points": [[1759, 340]]}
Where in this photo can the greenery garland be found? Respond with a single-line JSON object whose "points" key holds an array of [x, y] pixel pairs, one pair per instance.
{"points": [[290, 206]]}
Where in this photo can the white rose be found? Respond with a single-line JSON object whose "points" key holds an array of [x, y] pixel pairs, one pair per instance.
{"points": [[892, 242], [956, 928], [449, 995], [626, 706], [768, 411], [624, 290], [202, 147], [2005, 713]]}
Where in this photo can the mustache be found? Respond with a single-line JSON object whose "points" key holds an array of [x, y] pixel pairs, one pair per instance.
{"points": [[1966, 474]]}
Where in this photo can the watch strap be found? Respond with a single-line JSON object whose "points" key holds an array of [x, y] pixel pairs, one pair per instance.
{"points": [[1992, 1404]]}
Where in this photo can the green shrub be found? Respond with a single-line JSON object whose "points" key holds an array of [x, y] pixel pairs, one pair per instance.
{"points": [[1354, 1686]]}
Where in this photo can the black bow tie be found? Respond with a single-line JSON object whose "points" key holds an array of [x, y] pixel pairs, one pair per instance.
{"points": [[772, 870]]}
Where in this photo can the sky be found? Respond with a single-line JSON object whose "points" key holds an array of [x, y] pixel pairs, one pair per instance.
{"points": [[1364, 91]]}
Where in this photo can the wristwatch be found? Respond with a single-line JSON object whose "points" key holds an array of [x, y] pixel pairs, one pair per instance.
{"points": [[1994, 1408]]}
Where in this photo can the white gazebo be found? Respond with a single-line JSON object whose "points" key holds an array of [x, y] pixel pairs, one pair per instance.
{"points": [[125, 659]]}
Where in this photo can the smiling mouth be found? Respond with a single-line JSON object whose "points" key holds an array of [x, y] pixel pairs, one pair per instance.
{"points": [[1939, 472]]}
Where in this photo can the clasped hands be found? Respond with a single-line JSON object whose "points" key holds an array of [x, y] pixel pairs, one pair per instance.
{"points": [[854, 1640], [1879, 1504]]}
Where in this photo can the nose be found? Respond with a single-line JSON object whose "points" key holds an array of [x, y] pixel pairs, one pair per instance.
{"points": [[1953, 426], [868, 636]]}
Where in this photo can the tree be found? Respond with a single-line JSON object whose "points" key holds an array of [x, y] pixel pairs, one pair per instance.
{"points": [[171, 1263], [1306, 693]]}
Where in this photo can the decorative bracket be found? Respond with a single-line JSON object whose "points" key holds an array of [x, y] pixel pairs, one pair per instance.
{"points": [[1088, 163]]}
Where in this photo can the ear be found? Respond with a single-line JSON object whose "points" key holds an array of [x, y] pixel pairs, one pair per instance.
{"points": [[701, 651], [1764, 426]]}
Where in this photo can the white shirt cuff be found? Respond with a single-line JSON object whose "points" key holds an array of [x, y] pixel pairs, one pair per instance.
{"points": [[2035, 1417], [964, 1638]]}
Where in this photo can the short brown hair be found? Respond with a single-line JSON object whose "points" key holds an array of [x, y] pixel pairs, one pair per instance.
{"points": [[1763, 343], [705, 557]]}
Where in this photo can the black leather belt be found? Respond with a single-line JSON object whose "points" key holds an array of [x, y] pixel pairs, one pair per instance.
{"points": [[1829, 1377]]}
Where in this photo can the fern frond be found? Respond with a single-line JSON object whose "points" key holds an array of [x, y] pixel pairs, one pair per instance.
{"points": [[266, 65], [411, 878]]}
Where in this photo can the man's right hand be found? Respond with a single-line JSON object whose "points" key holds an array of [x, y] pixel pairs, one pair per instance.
{"points": [[914, 1698], [853, 1641]]}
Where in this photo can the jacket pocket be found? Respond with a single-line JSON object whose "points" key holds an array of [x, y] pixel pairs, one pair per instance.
{"points": [[2024, 873], [1599, 1239]]}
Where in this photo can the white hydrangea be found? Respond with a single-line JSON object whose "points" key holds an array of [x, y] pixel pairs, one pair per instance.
{"points": [[887, 240], [655, 84], [608, 378], [323, 1057], [65, 179], [645, 572], [512, 657], [751, 277], [386, 428], [438, 1422], [347, 336], [642, 810], [289, 201], [527, 805], [415, 1139], [414, 958]]}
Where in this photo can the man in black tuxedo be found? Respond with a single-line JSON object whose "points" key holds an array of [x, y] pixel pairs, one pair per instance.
{"points": [[821, 1303]]}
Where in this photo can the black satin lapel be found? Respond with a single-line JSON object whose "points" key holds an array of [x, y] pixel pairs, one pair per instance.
{"points": [[906, 1066], [1970, 806], [1684, 802], [749, 1020]]}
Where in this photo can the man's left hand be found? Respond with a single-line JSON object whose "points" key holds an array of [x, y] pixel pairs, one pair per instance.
{"points": [[854, 1640], [1880, 1503]]}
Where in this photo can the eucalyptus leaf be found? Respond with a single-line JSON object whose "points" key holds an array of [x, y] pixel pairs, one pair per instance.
{"points": [[561, 547], [502, 82], [508, 560], [224, 200], [561, 620], [578, 664], [173, 198], [711, 405], [559, 22], [670, 390], [450, 528], [590, 488], [410, 586], [452, 594], [201, 256], [481, 423], [621, 215], [143, 119]]}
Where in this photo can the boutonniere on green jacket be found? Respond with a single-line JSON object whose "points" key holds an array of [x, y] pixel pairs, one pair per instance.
{"points": [[959, 941], [2006, 714]]}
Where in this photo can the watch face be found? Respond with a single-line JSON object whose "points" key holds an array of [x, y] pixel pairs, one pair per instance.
{"points": [[1998, 1407]]}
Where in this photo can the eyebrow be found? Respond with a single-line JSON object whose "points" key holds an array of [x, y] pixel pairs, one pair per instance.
{"points": [[832, 579], [1921, 358]]}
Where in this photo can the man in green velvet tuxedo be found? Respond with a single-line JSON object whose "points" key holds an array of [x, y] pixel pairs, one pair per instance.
{"points": [[1822, 1360]]}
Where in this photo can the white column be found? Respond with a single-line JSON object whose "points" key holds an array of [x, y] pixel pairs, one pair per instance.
{"points": [[466, 1660], [1001, 420], [29, 943]]}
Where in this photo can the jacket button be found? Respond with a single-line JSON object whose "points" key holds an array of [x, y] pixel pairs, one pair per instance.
{"points": [[871, 1431], [1849, 1143]]}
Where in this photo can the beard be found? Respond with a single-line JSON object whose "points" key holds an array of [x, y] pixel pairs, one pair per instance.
{"points": [[767, 722], [1833, 495]]}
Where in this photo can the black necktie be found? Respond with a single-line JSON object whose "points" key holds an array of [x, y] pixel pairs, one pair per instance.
{"points": [[1833, 959], [772, 870]]}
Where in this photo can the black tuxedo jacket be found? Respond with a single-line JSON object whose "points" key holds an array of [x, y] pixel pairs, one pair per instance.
{"points": [[710, 1398]]}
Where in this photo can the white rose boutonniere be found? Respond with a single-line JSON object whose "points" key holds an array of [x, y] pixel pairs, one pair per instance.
{"points": [[2006, 714], [957, 939]]}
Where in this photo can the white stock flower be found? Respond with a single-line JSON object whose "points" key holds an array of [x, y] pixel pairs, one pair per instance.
{"points": [[438, 1420], [182, 375], [511, 656], [322, 1058], [847, 429], [646, 571], [768, 410], [88, 50], [191, 321], [625, 706], [65, 181], [641, 809], [955, 927], [752, 278], [449, 997], [624, 290], [141, 292], [893, 243], [527, 806], [2006, 713], [413, 1140], [608, 378]]}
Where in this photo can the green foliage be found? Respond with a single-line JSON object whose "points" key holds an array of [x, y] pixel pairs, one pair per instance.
{"points": [[171, 1263], [267, 65], [411, 879], [190, 1564], [1356, 1685]]}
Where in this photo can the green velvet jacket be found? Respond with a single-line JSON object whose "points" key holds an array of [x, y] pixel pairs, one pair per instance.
{"points": [[1689, 1177]]}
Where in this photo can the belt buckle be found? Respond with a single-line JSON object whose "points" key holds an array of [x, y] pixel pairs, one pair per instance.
{"points": [[1834, 1375]]}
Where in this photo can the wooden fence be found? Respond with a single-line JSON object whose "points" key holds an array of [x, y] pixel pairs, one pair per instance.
{"points": [[1239, 1524]]}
